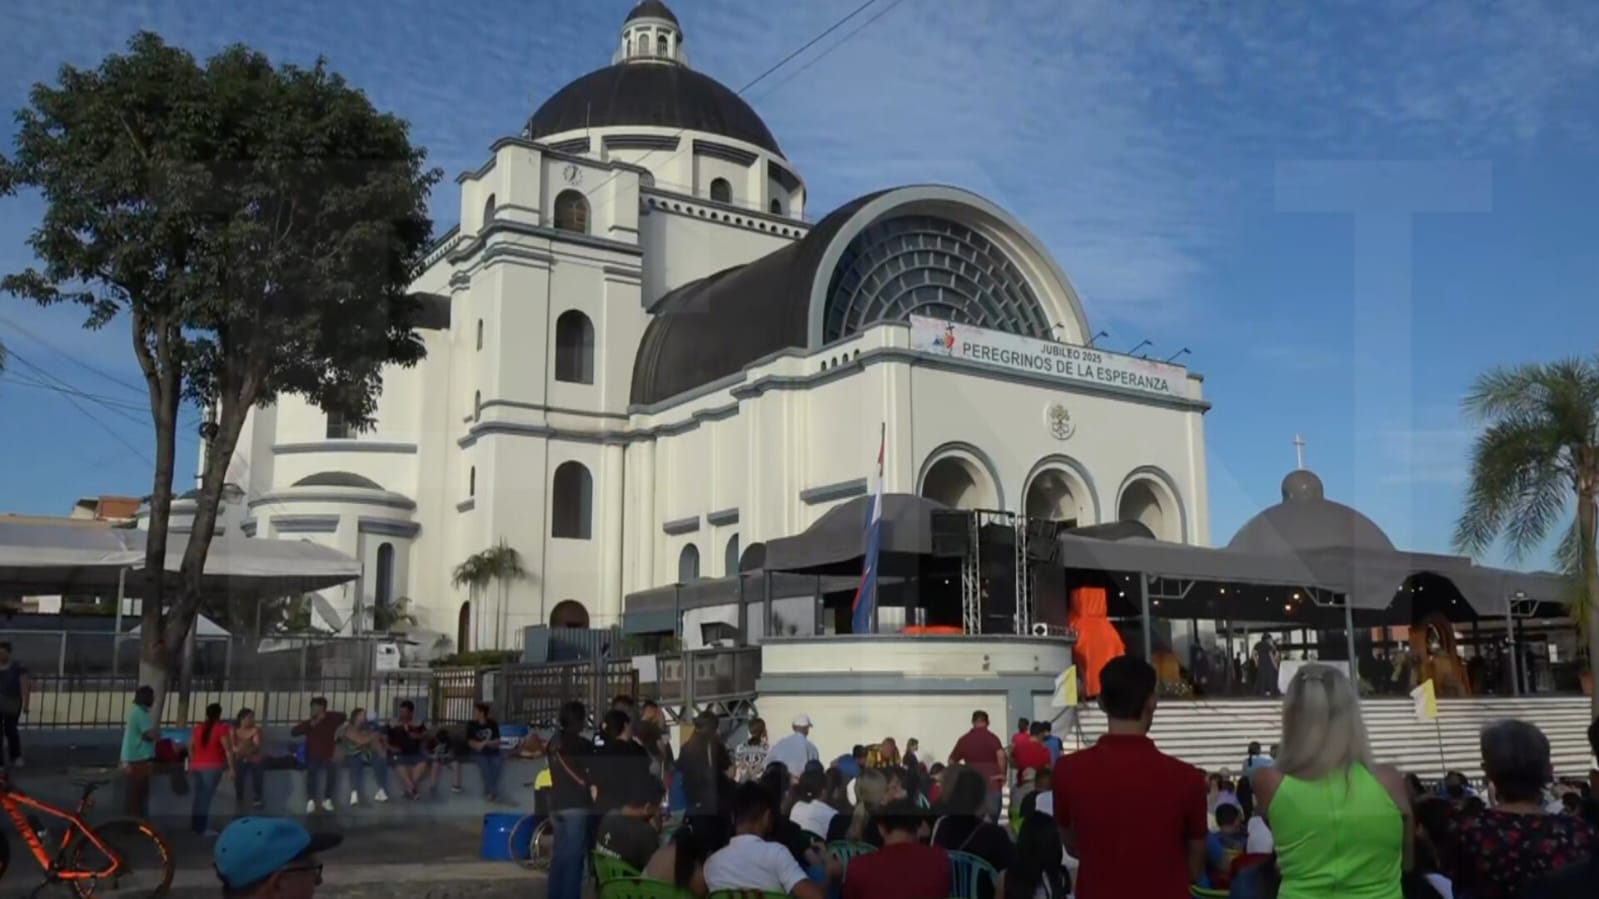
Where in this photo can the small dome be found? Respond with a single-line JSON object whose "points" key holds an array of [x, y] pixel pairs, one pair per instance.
{"points": [[651, 9], [338, 479], [1302, 484], [1306, 520]]}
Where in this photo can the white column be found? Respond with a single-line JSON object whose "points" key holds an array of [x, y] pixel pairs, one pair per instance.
{"points": [[641, 515], [613, 477]]}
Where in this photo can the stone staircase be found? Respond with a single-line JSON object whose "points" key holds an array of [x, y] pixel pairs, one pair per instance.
{"points": [[1215, 734]]}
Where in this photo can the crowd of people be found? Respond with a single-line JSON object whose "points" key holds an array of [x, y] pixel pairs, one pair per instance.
{"points": [[1314, 816]]}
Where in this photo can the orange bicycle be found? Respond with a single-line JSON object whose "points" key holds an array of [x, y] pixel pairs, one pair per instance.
{"points": [[122, 857]]}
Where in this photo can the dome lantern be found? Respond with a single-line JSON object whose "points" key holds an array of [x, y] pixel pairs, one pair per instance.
{"points": [[651, 34]]}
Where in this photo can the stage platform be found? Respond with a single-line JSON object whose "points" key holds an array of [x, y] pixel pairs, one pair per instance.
{"points": [[1215, 734]]}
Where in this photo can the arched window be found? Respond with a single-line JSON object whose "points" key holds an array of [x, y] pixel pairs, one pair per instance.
{"points": [[383, 590], [488, 210], [644, 43], [572, 212], [477, 405], [572, 502], [730, 557], [777, 206], [480, 333], [574, 348], [339, 427], [662, 46], [721, 191], [471, 481], [688, 564]]}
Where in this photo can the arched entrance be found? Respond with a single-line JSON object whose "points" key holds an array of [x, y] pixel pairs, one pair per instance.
{"points": [[463, 628], [569, 613], [1054, 496], [1141, 502], [959, 483]]}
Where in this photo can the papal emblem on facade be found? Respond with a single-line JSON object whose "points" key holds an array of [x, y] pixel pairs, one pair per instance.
{"points": [[1059, 420]]}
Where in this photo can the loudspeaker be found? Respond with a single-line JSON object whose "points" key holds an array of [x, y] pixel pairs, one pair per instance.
{"points": [[1041, 533], [951, 533]]}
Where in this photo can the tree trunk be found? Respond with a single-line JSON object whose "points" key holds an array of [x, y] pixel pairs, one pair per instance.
{"points": [[181, 617], [155, 656], [1587, 519]]}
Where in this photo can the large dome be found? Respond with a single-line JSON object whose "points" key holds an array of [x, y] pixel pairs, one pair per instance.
{"points": [[661, 95], [1307, 520]]}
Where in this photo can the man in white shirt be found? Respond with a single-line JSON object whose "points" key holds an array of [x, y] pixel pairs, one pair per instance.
{"points": [[796, 749], [749, 862]]}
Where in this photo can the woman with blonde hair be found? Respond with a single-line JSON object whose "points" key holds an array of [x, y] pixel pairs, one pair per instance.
{"points": [[1341, 822], [870, 788]]}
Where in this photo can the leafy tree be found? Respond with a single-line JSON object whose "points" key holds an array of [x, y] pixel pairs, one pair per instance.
{"points": [[1538, 452], [257, 227], [499, 564]]}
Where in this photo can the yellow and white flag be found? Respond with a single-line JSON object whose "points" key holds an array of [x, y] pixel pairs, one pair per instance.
{"points": [[1066, 688], [1426, 699]]}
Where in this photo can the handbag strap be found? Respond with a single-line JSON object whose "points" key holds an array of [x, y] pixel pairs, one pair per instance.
{"points": [[561, 757]]}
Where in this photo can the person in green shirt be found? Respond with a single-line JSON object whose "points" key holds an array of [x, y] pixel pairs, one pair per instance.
{"points": [[138, 752]]}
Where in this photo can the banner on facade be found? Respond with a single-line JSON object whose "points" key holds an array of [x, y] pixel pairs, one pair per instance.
{"points": [[1061, 361]]}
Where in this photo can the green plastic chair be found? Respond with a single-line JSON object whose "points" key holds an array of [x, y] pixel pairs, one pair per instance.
{"points": [[966, 872], [846, 850], [1199, 892], [641, 888], [608, 868]]}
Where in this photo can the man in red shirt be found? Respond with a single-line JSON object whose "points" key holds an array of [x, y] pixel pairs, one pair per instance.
{"points": [[905, 868], [981, 751], [1133, 816], [1028, 754], [1020, 736]]}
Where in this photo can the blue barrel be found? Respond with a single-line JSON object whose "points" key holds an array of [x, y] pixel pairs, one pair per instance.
{"points": [[500, 844], [511, 735]]}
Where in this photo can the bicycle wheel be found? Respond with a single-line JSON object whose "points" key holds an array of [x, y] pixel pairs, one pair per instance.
{"points": [[541, 845], [143, 861]]}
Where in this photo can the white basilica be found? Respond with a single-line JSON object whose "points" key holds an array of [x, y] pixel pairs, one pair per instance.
{"points": [[643, 353]]}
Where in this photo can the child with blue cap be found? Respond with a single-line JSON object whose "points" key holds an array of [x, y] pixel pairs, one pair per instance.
{"points": [[270, 858]]}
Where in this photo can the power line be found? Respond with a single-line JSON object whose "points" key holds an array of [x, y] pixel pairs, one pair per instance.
{"points": [[827, 52], [68, 391], [756, 80], [73, 358], [20, 381], [68, 396]]}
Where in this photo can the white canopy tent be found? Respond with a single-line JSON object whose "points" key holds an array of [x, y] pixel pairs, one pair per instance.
{"points": [[42, 558]]}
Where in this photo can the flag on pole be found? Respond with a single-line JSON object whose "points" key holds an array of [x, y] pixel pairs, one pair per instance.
{"points": [[866, 593], [1426, 699], [1066, 688]]}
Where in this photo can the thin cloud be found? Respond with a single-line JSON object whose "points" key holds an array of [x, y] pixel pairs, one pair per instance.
{"points": [[1439, 456]]}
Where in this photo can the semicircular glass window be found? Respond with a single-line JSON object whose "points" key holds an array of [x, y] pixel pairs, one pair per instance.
{"points": [[923, 265]]}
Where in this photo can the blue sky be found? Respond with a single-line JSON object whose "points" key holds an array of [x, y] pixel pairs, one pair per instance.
{"points": [[1158, 155]]}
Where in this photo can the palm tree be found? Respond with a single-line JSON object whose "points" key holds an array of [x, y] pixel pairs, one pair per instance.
{"points": [[499, 564], [1539, 449]]}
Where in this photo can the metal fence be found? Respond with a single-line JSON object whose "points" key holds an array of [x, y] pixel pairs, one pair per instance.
{"points": [[526, 694], [101, 701], [704, 676]]}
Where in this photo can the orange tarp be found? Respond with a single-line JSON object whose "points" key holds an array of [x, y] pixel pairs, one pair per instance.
{"points": [[1097, 640]]}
